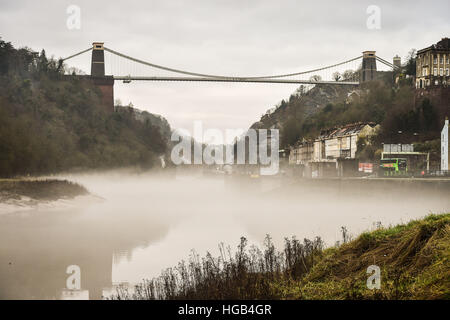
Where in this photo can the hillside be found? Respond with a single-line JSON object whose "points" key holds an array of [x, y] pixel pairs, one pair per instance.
{"points": [[307, 112], [413, 259], [303, 103], [50, 123]]}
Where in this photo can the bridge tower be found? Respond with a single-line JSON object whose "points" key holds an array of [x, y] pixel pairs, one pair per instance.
{"points": [[369, 66], [397, 61], [98, 60], [104, 83]]}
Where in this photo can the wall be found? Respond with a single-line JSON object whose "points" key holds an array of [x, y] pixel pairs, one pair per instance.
{"points": [[106, 86]]}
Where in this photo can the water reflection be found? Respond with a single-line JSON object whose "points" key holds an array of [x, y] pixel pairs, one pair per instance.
{"points": [[37, 246]]}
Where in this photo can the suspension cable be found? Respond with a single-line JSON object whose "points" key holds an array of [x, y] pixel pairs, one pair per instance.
{"points": [[76, 54], [222, 77], [387, 63]]}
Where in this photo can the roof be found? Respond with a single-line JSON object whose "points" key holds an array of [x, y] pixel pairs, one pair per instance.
{"points": [[444, 44], [346, 130], [341, 131]]}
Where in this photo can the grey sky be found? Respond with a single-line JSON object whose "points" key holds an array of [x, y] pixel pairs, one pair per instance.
{"points": [[223, 37]]}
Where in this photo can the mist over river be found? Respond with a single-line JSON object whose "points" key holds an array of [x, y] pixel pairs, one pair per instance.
{"points": [[135, 225]]}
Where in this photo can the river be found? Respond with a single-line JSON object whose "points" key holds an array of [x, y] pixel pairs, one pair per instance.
{"points": [[136, 225]]}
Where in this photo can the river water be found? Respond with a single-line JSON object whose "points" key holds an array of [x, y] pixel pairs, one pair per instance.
{"points": [[134, 226]]}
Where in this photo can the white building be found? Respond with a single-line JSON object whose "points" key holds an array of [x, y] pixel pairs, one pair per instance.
{"points": [[444, 147], [341, 142], [333, 145]]}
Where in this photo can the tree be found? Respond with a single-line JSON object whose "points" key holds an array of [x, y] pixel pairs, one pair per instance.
{"points": [[348, 75], [42, 62], [40, 128], [410, 66], [328, 107], [6, 50], [336, 76], [315, 78], [428, 113], [300, 90]]}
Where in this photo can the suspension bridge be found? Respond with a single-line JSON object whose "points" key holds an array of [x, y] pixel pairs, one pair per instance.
{"points": [[322, 75], [122, 67]]}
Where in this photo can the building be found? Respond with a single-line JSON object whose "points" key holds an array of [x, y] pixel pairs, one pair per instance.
{"points": [[433, 65], [333, 153], [444, 146], [416, 163], [341, 142], [397, 61], [302, 152], [353, 96]]}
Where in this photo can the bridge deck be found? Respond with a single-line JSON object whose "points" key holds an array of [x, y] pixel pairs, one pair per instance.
{"points": [[208, 79]]}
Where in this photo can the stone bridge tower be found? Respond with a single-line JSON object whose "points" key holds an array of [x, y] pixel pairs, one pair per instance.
{"points": [[369, 66], [98, 60], [104, 83]]}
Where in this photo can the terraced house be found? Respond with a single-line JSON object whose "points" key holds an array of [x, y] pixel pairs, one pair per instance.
{"points": [[333, 152]]}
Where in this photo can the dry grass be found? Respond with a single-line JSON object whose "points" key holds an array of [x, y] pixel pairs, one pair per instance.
{"points": [[413, 258]]}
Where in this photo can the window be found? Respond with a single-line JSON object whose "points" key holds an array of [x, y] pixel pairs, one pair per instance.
{"points": [[435, 59], [434, 71], [441, 60], [441, 71]]}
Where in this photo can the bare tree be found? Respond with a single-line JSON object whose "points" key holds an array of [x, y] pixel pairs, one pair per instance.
{"points": [[315, 78], [336, 76], [348, 75]]}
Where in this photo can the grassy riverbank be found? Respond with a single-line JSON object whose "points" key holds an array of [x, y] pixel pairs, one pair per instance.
{"points": [[413, 259], [39, 189]]}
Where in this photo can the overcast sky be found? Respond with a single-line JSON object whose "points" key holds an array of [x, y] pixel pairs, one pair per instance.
{"points": [[223, 37]]}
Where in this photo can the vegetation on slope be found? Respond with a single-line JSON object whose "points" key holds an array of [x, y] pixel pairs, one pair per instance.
{"points": [[50, 123], [48, 189], [393, 106], [413, 259]]}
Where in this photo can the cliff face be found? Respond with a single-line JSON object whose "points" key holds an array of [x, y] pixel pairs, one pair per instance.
{"points": [[302, 104], [295, 117]]}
